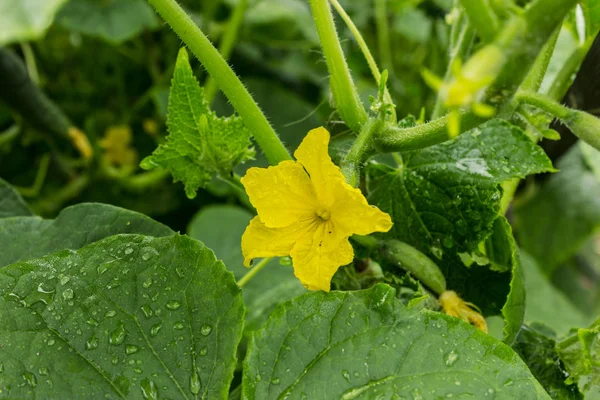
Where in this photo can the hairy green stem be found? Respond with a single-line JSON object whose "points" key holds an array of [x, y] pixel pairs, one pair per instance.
{"points": [[226, 46], [585, 126], [482, 17], [394, 139], [228, 81], [534, 78], [366, 53], [360, 151], [347, 100], [253, 271]]}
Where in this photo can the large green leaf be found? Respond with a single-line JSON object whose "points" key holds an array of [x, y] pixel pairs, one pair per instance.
{"points": [[221, 229], [199, 144], [556, 221], [127, 317], [367, 345], [23, 20], [25, 238], [11, 202], [591, 11], [545, 303], [447, 196], [112, 20]]}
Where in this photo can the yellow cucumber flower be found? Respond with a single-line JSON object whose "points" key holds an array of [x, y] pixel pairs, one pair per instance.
{"points": [[307, 210]]}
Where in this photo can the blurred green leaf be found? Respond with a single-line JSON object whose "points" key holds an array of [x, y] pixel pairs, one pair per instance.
{"points": [[563, 213], [547, 304], [366, 344], [591, 12], [11, 202], [199, 144], [112, 20], [127, 317], [24, 238], [221, 228], [24, 20]]}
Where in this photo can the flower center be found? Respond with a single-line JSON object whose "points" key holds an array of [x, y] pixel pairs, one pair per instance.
{"points": [[323, 213]]}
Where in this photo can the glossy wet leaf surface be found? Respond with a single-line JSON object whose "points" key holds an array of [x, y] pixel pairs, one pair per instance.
{"points": [[25, 238], [366, 344], [127, 317], [446, 197], [11, 202]]}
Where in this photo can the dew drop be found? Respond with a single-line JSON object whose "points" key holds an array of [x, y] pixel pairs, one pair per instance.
{"points": [[346, 375], [147, 283], [173, 305], [131, 349], [203, 351], [206, 330], [195, 384], [115, 360], [67, 294], [110, 313], [64, 280], [137, 370], [91, 321], [155, 329], [509, 382], [101, 269], [178, 325], [179, 272], [117, 336], [128, 250], [51, 342], [91, 343], [147, 311], [43, 371], [149, 389], [450, 358], [275, 381], [30, 379]]}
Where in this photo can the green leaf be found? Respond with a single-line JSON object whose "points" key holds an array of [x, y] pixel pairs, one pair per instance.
{"points": [[112, 20], [447, 196], [365, 344], [547, 304], [11, 202], [505, 252], [554, 223], [25, 20], [199, 144], [539, 352], [221, 229], [127, 317], [581, 355], [25, 238]]}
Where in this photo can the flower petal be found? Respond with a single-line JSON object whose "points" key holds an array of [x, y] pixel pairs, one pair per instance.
{"points": [[259, 240], [351, 214], [318, 254], [282, 194], [324, 174]]}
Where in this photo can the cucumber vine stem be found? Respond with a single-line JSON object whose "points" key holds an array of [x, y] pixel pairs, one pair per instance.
{"points": [[482, 17], [228, 81], [253, 271], [347, 100]]}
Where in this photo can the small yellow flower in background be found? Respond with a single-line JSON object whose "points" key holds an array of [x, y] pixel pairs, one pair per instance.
{"points": [[467, 84], [307, 210], [457, 307], [117, 146]]}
